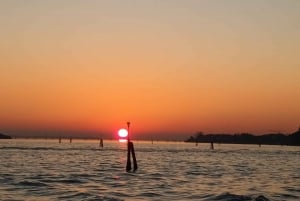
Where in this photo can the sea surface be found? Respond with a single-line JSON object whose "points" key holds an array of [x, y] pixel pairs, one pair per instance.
{"points": [[47, 170]]}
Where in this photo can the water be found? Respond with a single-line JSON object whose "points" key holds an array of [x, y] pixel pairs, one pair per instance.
{"points": [[46, 170]]}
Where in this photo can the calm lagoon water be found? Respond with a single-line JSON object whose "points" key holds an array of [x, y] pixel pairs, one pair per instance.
{"points": [[46, 170]]}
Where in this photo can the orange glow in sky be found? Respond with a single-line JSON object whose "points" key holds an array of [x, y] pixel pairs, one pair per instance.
{"points": [[170, 67]]}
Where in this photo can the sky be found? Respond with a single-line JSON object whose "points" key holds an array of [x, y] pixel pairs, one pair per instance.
{"points": [[170, 67]]}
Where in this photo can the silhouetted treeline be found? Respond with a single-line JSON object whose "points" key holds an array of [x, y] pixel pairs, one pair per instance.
{"points": [[2, 136], [246, 138]]}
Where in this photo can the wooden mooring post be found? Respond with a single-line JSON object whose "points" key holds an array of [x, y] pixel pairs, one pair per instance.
{"points": [[130, 150], [211, 145], [101, 143]]}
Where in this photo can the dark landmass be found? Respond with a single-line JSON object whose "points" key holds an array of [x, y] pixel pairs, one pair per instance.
{"points": [[2, 136], [246, 138]]}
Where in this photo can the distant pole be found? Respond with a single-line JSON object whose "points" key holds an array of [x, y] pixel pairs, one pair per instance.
{"points": [[101, 143], [211, 145], [70, 140]]}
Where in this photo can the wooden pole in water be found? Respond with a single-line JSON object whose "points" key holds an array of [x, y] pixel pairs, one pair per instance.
{"points": [[128, 165], [130, 149], [135, 167], [101, 143]]}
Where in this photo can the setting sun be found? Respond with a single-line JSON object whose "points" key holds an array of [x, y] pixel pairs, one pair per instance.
{"points": [[123, 133]]}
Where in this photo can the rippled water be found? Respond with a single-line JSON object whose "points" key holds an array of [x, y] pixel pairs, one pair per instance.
{"points": [[47, 170]]}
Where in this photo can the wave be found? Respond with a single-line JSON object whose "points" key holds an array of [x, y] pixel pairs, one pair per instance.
{"points": [[149, 194], [87, 196], [234, 197], [32, 183]]}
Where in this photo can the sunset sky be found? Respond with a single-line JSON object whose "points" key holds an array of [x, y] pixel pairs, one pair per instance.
{"points": [[171, 67]]}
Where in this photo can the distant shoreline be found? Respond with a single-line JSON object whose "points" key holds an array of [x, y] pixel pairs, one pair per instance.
{"points": [[246, 138], [242, 138], [2, 136]]}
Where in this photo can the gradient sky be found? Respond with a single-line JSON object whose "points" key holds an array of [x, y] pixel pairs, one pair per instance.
{"points": [[168, 66]]}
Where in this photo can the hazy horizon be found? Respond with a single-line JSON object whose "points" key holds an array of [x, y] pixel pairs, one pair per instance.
{"points": [[169, 136], [167, 66]]}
